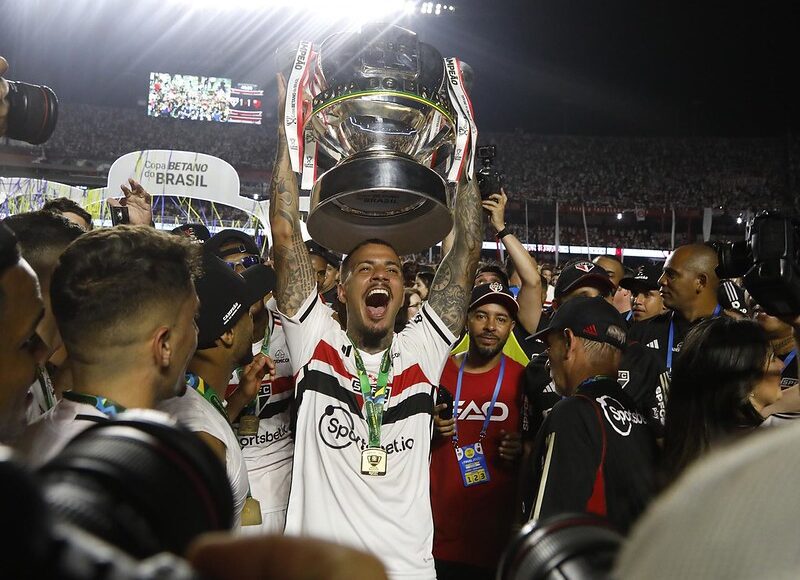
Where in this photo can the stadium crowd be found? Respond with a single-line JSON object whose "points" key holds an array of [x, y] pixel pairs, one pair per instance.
{"points": [[616, 172], [415, 414]]}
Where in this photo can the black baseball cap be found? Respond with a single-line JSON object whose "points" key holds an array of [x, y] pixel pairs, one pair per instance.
{"points": [[493, 293], [226, 296], [731, 297], [592, 318], [246, 243], [582, 273], [197, 233], [646, 278], [315, 249]]}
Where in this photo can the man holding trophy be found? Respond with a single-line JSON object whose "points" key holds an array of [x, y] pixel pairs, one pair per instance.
{"points": [[379, 112]]}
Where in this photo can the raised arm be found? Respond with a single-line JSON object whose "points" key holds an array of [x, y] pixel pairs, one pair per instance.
{"points": [[452, 284], [530, 292], [296, 278]]}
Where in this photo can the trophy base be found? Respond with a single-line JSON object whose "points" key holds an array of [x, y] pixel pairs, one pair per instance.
{"points": [[383, 196]]}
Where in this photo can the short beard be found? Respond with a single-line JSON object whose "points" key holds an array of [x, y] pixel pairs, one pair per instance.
{"points": [[246, 358], [487, 353], [373, 339]]}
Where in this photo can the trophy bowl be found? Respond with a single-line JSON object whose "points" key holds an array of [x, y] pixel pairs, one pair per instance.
{"points": [[382, 120]]}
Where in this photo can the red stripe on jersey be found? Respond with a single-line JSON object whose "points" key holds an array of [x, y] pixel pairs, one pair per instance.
{"points": [[282, 384], [410, 377]]}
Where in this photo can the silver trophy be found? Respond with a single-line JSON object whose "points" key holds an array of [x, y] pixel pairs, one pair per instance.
{"points": [[374, 120]]}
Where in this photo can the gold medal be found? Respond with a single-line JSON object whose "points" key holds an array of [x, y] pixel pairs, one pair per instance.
{"points": [[373, 461], [251, 512], [248, 425]]}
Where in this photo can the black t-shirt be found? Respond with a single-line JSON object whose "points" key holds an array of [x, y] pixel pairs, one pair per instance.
{"points": [[568, 451]]}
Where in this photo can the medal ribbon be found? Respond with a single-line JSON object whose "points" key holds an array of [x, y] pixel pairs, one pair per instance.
{"points": [[199, 385], [106, 406], [374, 397], [671, 338], [46, 383], [490, 410]]}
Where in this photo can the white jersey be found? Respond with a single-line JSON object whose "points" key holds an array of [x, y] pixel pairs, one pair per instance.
{"points": [[388, 515], [198, 415], [268, 454], [48, 435]]}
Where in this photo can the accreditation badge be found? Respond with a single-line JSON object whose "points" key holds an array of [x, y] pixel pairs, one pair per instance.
{"points": [[373, 461], [472, 464], [248, 425]]}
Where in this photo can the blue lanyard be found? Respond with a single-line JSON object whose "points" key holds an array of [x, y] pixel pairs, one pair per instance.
{"points": [[671, 339], [788, 360], [489, 411], [629, 316]]}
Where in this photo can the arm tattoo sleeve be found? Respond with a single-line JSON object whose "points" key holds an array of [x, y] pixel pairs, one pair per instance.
{"points": [[295, 274], [452, 285]]}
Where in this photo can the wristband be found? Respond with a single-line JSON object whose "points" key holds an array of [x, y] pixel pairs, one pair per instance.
{"points": [[502, 233]]}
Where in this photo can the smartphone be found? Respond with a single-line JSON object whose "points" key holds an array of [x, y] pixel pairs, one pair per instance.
{"points": [[119, 215], [444, 396]]}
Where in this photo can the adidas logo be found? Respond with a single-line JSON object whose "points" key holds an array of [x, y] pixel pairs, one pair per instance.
{"points": [[653, 344]]}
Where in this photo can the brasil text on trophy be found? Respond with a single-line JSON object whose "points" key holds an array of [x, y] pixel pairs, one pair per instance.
{"points": [[374, 119]]}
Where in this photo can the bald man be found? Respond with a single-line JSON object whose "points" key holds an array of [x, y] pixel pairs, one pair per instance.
{"points": [[622, 296], [688, 286]]}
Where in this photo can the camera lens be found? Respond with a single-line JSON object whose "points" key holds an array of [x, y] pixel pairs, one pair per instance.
{"points": [[735, 259], [565, 547], [140, 483], [32, 112]]}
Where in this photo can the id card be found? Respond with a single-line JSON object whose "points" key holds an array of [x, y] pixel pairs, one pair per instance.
{"points": [[472, 463], [373, 461], [251, 512]]}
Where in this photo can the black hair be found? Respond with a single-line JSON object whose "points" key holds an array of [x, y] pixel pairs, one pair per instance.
{"points": [[346, 261], [9, 254], [494, 268], [721, 360], [43, 236], [427, 278], [62, 205], [112, 276]]}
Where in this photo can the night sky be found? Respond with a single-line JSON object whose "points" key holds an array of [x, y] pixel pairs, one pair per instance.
{"points": [[554, 66]]}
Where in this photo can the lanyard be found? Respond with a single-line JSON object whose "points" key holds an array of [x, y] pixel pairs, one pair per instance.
{"points": [[46, 384], [629, 316], [199, 385], [374, 397], [106, 406], [671, 338], [489, 411], [788, 360]]}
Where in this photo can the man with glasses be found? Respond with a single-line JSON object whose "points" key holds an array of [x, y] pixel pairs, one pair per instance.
{"points": [[238, 249]]}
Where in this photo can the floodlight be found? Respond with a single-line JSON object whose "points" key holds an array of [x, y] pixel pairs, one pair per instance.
{"points": [[619, 216]]}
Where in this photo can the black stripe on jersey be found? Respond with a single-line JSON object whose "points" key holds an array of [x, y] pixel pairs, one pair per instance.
{"points": [[435, 326], [325, 384], [421, 403], [92, 418], [317, 381], [308, 310], [272, 409]]}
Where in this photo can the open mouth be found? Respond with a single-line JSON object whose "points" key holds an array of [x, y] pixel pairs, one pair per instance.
{"points": [[377, 301]]}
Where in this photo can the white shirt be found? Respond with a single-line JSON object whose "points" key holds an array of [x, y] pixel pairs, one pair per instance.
{"points": [[388, 515], [48, 435], [268, 454], [198, 415]]}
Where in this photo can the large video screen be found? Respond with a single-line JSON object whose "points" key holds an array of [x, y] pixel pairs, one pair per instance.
{"points": [[199, 98]]}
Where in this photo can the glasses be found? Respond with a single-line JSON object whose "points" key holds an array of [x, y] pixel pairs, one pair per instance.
{"points": [[245, 262]]}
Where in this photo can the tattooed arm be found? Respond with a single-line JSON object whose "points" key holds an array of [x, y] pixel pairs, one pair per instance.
{"points": [[296, 278], [452, 285]]}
